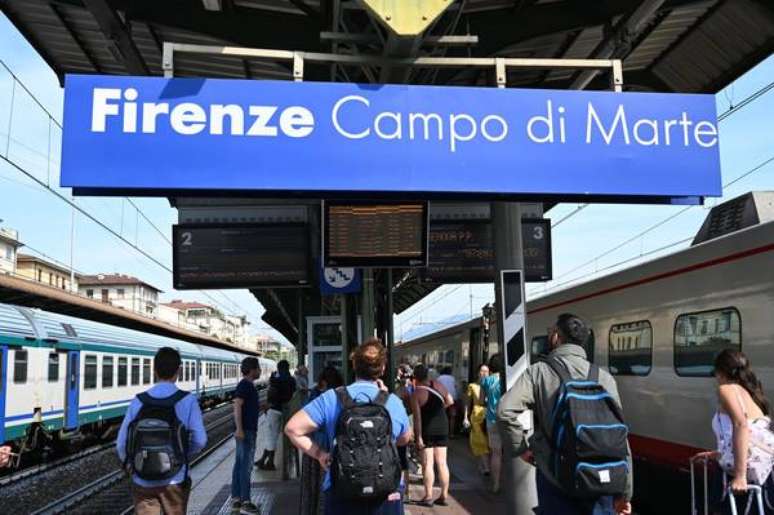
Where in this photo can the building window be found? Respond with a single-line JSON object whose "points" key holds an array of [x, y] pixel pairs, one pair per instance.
{"points": [[50, 278], [107, 371], [90, 372], [122, 366], [105, 296], [631, 349], [40, 276], [146, 371], [135, 371], [120, 293], [90, 294], [53, 367], [20, 366], [699, 337]]}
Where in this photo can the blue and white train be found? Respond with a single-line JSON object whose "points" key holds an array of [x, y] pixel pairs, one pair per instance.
{"points": [[63, 377]]}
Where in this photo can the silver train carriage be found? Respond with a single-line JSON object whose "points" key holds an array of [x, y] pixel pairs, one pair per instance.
{"points": [[657, 328], [62, 377]]}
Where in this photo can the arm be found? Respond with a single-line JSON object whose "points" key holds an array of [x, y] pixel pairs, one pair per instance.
{"points": [[417, 414], [239, 431], [196, 428], [516, 401], [730, 403], [123, 433], [448, 400], [298, 429]]}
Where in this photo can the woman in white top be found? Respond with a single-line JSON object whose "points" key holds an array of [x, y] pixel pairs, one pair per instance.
{"points": [[741, 403]]}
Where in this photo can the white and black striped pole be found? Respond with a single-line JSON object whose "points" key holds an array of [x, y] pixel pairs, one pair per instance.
{"points": [[518, 479]]}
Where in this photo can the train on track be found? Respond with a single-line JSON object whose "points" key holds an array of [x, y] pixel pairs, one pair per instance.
{"points": [[657, 327], [63, 378]]}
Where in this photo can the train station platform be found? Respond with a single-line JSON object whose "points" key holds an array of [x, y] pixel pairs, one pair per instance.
{"points": [[212, 487]]}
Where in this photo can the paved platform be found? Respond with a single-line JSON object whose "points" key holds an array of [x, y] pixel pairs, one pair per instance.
{"points": [[212, 487]]}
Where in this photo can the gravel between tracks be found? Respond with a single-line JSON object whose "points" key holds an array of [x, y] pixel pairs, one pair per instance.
{"points": [[32, 493]]}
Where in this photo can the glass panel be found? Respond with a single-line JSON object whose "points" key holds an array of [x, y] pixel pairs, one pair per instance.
{"points": [[53, 367], [146, 371], [324, 335], [107, 371], [135, 371], [538, 348], [699, 337], [20, 366], [90, 373], [631, 348], [122, 366]]}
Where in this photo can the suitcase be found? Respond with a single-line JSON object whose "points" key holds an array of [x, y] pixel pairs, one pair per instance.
{"points": [[753, 492]]}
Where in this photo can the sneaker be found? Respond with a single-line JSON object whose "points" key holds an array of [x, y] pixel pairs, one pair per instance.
{"points": [[269, 466], [249, 508], [236, 506]]}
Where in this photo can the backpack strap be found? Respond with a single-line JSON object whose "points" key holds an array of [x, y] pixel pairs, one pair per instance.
{"points": [[164, 402], [560, 369], [345, 399], [381, 398], [593, 374]]}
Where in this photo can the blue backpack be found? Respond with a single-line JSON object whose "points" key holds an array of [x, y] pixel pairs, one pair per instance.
{"points": [[589, 440]]}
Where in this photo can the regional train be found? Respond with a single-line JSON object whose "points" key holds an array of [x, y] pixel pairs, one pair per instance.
{"points": [[63, 378], [657, 328]]}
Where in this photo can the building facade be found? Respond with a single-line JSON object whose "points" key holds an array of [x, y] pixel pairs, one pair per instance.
{"points": [[122, 291], [208, 320], [9, 244], [45, 272]]}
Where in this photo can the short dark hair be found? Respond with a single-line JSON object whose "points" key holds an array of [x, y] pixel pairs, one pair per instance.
{"points": [[283, 366], [249, 364], [369, 359], [166, 363], [572, 329], [496, 363], [421, 372], [446, 371]]}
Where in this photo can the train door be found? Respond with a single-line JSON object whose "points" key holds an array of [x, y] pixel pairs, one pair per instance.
{"points": [[71, 389], [3, 382]]}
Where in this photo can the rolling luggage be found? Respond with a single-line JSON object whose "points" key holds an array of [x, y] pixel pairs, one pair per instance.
{"points": [[754, 492]]}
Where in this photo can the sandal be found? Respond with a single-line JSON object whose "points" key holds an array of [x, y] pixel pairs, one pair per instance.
{"points": [[428, 503], [441, 501]]}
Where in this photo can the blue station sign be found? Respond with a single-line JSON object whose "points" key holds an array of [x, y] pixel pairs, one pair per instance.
{"points": [[154, 136]]}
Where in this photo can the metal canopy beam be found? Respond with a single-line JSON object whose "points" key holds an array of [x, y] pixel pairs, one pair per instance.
{"points": [[118, 35]]}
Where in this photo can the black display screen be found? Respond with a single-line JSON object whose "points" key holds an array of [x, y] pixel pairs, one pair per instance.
{"points": [[240, 256], [375, 234], [463, 251]]}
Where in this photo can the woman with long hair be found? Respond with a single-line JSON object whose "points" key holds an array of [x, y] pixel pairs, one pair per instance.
{"points": [[741, 423], [475, 420]]}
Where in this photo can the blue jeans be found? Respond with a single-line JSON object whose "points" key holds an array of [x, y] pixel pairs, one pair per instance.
{"points": [[334, 506], [243, 466], [552, 500]]}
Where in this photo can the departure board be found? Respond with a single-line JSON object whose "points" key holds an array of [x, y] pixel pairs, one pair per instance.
{"points": [[379, 234], [240, 256], [463, 251]]}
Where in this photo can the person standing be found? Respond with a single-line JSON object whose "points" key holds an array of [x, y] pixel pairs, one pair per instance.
{"points": [[282, 386], [475, 419], [428, 404], [346, 494], [567, 483], [450, 383], [155, 487], [491, 390], [246, 411]]}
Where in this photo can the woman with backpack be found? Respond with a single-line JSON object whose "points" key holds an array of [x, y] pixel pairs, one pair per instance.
{"points": [[431, 425], [742, 426]]}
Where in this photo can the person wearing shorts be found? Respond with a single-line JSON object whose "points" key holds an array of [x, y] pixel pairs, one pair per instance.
{"points": [[428, 405]]}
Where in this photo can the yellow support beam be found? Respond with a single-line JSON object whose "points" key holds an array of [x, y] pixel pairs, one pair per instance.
{"points": [[406, 17]]}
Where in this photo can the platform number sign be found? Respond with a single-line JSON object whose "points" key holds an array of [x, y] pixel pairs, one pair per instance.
{"points": [[513, 332]]}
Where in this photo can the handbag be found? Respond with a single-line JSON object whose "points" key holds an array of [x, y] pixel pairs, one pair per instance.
{"points": [[760, 449]]}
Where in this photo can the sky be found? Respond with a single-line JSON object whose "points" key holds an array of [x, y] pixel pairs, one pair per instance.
{"points": [[581, 242]]}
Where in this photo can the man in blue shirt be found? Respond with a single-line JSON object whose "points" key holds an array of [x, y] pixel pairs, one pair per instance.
{"points": [[369, 362], [170, 495], [246, 410]]}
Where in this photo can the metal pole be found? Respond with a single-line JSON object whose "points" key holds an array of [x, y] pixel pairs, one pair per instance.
{"points": [[390, 334], [344, 338], [368, 304], [506, 224], [72, 252]]}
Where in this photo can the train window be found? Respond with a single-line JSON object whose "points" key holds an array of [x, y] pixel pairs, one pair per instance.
{"points": [[107, 371], [19, 366], [53, 367], [146, 371], [135, 371], [538, 348], [90, 372], [198, 368], [450, 358], [630, 348], [699, 337], [122, 366]]}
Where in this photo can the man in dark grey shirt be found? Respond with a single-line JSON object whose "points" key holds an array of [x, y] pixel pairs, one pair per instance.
{"points": [[536, 390]]}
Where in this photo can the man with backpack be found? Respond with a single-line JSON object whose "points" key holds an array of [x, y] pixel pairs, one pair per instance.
{"points": [[366, 423], [282, 386], [579, 443], [162, 429]]}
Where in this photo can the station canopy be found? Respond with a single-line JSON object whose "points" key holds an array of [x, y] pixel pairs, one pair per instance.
{"points": [[685, 46]]}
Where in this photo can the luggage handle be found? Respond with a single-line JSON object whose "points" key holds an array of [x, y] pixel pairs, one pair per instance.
{"points": [[751, 489], [692, 463]]}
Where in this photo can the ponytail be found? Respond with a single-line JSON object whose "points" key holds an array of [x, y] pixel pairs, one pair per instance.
{"points": [[736, 367]]}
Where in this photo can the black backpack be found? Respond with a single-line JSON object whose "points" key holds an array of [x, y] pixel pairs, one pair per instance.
{"points": [[589, 437], [157, 445], [365, 458]]}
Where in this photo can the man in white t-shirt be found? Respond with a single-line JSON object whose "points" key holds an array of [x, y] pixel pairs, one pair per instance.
{"points": [[447, 380]]}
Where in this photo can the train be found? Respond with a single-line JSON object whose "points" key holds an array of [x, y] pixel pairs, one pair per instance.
{"points": [[63, 378], [657, 327]]}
